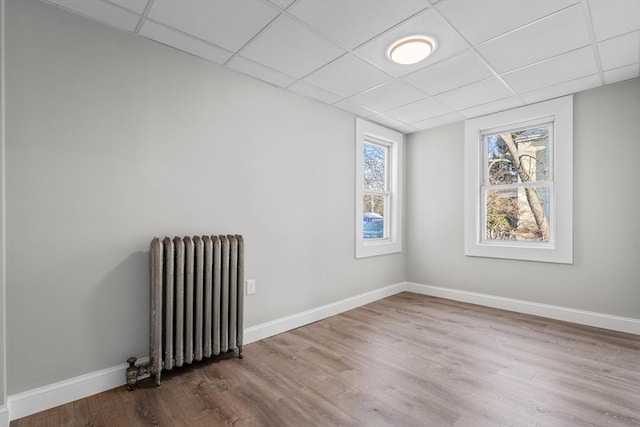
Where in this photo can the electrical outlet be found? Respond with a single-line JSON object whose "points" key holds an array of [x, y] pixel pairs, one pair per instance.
{"points": [[251, 286]]}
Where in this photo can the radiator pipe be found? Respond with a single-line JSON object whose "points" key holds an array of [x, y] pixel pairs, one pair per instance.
{"points": [[134, 372]]}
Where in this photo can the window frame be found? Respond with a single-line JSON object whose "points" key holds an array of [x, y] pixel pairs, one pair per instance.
{"points": [[392, 240], [559, 249]]}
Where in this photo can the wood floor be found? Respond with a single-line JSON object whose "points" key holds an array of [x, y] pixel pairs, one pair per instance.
{"points": [[407, 360]]}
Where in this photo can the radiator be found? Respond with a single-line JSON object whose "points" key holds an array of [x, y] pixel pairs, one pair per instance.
{"points": [[196, 302]]}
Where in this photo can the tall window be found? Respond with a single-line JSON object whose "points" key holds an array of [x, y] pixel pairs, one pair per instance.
{"points": [[519, 183], [378, 190]]}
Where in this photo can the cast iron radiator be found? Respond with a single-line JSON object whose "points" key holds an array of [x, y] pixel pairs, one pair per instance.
{"points": [[196, 302]]}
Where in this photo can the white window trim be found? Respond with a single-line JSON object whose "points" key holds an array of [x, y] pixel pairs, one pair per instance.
{"points": [[392, 243], [560, 248]]}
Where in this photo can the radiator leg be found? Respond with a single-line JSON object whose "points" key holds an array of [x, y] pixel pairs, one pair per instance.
{"points": [[240, 356], [158, 384]]}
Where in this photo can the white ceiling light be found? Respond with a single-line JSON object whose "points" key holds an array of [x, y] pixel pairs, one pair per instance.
{"points": [[410, 50]]}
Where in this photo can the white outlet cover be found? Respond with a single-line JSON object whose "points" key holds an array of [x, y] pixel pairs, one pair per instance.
{"points": [[251, 286]]}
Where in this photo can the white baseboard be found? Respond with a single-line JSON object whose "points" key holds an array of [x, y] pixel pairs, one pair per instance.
{"points": [[278, 326], [43, 398], [40, 399], [589, 318]]}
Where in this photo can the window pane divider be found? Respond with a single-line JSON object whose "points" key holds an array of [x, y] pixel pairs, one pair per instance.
{"points": [[518, 185], [376, 192]]}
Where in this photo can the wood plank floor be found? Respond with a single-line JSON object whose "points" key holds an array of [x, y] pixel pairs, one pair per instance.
{"points": [[407, 360]]}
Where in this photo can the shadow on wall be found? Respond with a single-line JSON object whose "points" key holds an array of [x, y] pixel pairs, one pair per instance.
{"points": [[120, 311]]}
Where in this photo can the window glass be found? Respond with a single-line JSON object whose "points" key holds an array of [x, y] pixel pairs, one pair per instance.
{"points": [[517, 187], [518, 214], [373, 204], [375, 189], [373, 218], [373, 227], [518, 156], [374, 166]]}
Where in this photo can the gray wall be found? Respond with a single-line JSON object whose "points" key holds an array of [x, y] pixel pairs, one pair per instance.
{"points": [[605, 276], [113, 139]]}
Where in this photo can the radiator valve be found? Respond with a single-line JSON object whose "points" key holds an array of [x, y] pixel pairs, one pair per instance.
{"points": [[134, 372]]}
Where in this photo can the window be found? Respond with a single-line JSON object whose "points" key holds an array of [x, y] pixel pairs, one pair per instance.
{"points": [[378, 221], [519, 183]]}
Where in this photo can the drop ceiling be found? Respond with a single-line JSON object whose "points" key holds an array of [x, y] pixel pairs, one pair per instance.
{"points": [[490, 55]]}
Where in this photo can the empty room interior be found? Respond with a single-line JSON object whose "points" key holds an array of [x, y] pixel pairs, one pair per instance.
{"points": [[447, 239]]}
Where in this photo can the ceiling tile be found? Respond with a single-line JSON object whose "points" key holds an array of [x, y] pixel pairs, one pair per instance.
{"points": [[612, 18], [492, 107], [226, 23], [259, 71], [419, 110], [347, 76], [390, 95], [562, 89], [457, 71], [354, 108], [562, 68], [184, 42], [479, 21], [438, 121], [289, 47], [306, 89], [620, 51], [101, 11], [622, 73], [351, 23], [134, 5], [562, 32], [429, 23], [474, 94]]}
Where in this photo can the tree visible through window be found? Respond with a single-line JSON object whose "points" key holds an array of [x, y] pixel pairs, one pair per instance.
{"points": [[517, 188], [375, 191]]}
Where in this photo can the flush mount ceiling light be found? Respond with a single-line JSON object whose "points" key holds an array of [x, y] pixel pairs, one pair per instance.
{"points": [[410, 50]]}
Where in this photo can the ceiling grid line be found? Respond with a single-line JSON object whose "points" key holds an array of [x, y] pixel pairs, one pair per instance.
{"points": [[530, 24], [482, 59], [143, 17], [351, 51], [354, 53], [239, 51], [594, 42], [184, 33]]}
